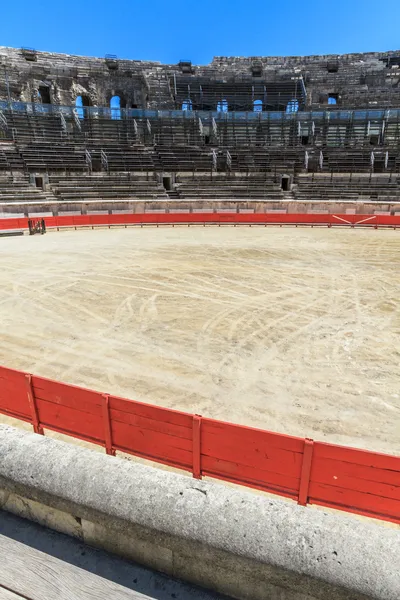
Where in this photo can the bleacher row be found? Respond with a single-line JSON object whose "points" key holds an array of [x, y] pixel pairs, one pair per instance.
{"points": [[69, 159], [49, 158], [356, 188], [120, 189], [177, 128]]}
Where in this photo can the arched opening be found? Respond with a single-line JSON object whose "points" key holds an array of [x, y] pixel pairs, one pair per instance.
{"points": [[222, 105], [115, 105], [257, 105], [292, 106], [81, 102], [187, 104], [44, 94]]}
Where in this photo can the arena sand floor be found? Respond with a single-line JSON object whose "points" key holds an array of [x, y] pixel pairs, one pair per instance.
{"points": [[292, 330]]}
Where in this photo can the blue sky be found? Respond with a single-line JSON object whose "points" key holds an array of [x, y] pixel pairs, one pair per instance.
{"points": [[169, 31]]}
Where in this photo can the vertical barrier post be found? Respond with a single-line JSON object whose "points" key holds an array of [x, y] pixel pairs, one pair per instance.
{"points": [[197, 446], [37, 428], [107, 425], [306, 471]]}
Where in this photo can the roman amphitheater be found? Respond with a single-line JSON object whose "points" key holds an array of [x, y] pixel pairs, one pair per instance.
{"points": [[221, 241]]}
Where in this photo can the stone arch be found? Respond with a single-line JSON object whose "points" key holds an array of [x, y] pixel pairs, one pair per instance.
{"points": [[81, 102], [44, 94], [115, 106]]}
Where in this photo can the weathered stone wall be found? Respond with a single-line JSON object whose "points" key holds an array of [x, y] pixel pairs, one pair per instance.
{"points": [[238, 543], [357, 80]]}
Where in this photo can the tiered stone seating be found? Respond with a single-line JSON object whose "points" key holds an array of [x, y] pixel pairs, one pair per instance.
{"points": [[106, 131], [226, 187], [176, 131], [205, 92], [215, 155], [48, 157], [10, 158], [29, 126], [184, 158], [111, 188], [289, 160], [128, 158], [347, 161], [380, 188], [19, 190]]}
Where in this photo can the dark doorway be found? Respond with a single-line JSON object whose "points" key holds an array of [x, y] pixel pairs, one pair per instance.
{"points": [[39, 182], [167, 183], [374, 140], [86, 101], [96, 164], [304, 140], [206, 139], [379, 165], [44, 94], [332, 66], [285, 183]]}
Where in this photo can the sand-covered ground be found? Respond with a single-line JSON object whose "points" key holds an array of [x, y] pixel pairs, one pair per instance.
{"points": [[292, 330]]}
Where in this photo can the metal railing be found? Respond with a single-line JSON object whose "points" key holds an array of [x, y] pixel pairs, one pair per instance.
{"points": [[389, 115]]}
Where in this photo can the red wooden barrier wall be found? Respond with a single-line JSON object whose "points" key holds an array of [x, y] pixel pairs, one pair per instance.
{"points": [[211, 218], [353, 480]]}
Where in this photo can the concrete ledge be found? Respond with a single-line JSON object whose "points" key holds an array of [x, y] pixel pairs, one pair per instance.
{"points": [[235, 542]]}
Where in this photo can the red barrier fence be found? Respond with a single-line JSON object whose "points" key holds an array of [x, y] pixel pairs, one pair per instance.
{"points": [[329, 220], [310, 472]]}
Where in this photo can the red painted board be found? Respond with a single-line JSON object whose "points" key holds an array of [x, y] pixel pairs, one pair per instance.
{"points": [[249, 434], [357, 456], [245, 475], [67, 420], [252, 447], [119, 219], [355, 476], [13, 405], [14, 223], [254, 218], [349, 484], [51, 221], [367, 503], [151, 424], [80, 220], [151, 444], [100, 219], [13, 393], [12, 375], [72, 396], [151, 412], [14, 388]]}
